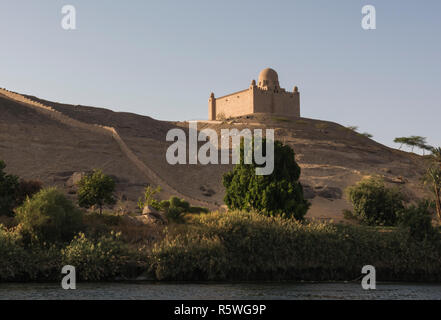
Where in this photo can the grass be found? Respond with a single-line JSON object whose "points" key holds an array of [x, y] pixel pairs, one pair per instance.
{"points": [[249, 246], [223, 246]]}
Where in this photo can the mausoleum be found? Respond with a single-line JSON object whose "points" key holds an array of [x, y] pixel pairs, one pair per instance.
{"points": [[264, 97]]}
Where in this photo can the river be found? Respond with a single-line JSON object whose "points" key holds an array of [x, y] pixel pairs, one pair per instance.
{"points": [[219, 291]]}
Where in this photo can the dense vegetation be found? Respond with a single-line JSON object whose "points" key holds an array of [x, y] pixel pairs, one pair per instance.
{"points": [[279, 193], [49, 231], [244, 245], [233, 246]]}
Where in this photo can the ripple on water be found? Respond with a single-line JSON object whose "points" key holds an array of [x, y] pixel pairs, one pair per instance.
{"points": [[219, 291]]}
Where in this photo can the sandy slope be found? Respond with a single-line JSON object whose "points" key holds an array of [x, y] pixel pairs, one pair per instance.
{"points": [[331, 156]]}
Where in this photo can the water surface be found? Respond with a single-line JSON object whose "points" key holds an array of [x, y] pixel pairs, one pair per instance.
{"points": [[219, 291]]}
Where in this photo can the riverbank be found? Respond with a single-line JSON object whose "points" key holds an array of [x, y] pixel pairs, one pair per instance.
{"points": [[237, 246]]}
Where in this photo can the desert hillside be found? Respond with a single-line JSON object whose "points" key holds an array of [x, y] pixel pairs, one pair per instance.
{"points": [[52, 142]]}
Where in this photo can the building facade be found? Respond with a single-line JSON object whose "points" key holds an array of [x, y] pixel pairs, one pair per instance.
{"points": [[264, 97]]}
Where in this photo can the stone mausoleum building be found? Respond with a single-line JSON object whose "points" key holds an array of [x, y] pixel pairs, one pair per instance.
{"points": [[265, 97]]}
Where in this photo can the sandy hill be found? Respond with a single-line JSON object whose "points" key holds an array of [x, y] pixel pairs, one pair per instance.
{"points": [[51, 141]]}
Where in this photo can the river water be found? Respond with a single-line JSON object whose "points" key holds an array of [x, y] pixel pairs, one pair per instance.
{"points": [[219, 291]]}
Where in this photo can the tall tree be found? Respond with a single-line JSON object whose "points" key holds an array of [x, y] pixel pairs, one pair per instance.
{"points": [[279, 193]]}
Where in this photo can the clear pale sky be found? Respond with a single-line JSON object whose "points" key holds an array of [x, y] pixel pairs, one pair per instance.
{"points": [[163, 58]]}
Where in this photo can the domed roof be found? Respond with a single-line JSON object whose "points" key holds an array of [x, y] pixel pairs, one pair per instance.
{"points": [[268, 78], [268, 74]]}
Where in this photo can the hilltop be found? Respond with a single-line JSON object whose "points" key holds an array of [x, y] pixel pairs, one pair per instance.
{"points": [[55, 143]]}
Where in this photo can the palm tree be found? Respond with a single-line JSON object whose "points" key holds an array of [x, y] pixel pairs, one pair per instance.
{"points": [[434, 179], [436, 154]]}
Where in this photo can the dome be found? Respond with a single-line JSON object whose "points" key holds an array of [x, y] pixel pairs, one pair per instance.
{"points": [[268, 78]]}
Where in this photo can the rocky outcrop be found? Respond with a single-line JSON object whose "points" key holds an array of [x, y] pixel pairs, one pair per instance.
{"points": [[153, 215]]}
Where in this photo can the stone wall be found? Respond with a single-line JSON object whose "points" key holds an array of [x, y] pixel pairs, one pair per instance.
{"points": [[234, 105], [282, 103], [254, 100]]}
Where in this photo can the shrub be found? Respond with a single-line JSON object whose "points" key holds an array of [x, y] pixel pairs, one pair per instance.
{"points": [[96, 189], [8, 191], [175, 208], [279, 193], [417, 220], [96, 225], [104, 258], [149, 199], [18, 263], [374, 203], [248, 246], [49, 216], [12, 255]]}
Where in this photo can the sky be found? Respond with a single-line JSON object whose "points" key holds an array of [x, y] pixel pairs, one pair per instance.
{"points": [[164, 58]]}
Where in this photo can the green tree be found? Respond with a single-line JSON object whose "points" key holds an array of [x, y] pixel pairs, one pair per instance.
{"points": [[49, 216], [414, 141], [96, 189], [9, 187], [374, 203], [279, 193]]}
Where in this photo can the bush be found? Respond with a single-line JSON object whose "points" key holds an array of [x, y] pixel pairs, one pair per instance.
{"points": [[248, 246], [189, 256], [96, 189], [149, 199], [279, 193], [417, 220], [12, 255], [374, 203], [49, 217], [8, 191], [175, 208], [96, 225], [18, 263], [104, 258]]}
